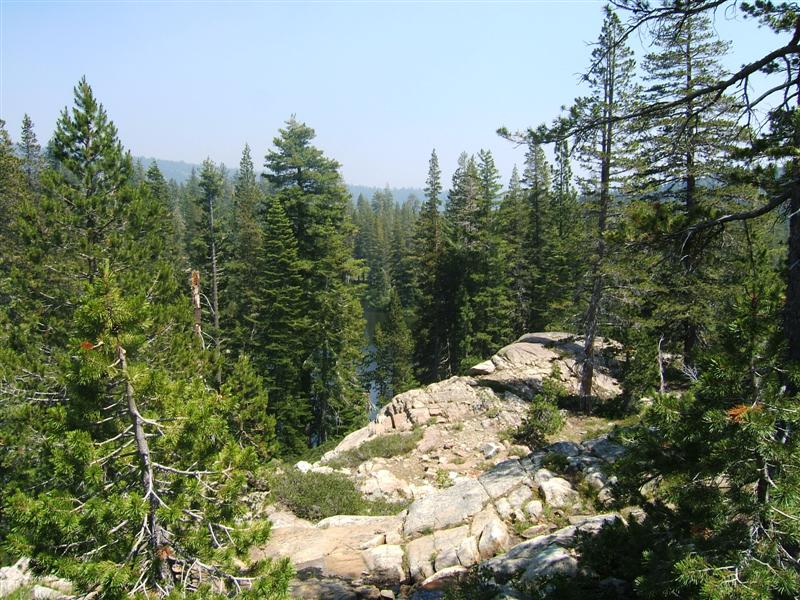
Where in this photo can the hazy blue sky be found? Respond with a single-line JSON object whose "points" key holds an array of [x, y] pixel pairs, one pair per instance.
{"points": [[382, 83]]}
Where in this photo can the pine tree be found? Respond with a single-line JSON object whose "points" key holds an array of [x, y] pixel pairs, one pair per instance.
{"points": [[565, 247], [362, 219], [490, 185], [720, 460], [309, 187], [464, 200], [489, 282], [536, 183], [281, 342], [211, 185], [91, 174], [167, 197], [723, 429], [512, 225], [379, 262], [245, 259], [428, 253], [190, 204], [129, 471], [685, 168], [459, 260], [393, 352], [402, 252], [605, 151], [13, 192], [84, 523], [31, 153]]}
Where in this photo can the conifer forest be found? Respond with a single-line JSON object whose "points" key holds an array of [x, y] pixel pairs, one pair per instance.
{"points": [[175, 355]]}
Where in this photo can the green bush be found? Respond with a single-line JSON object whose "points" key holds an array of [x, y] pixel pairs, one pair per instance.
{"points": [[543, 417], [316, 496], [555, 462], [442, 479], [476, 584], [384, 446]]}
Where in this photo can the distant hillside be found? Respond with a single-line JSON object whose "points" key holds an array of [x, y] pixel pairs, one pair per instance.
{"points": [[399, 194], [171, 169], [180, 171]]}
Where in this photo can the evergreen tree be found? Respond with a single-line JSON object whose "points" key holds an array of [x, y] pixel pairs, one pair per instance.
{"points": [[464, 200], [120, 470], [536, 183], [190, 204], [393, 352], [309, 187], [720, 460], [379, 262], [512, 225], [81, 519], [245, 260], [723, 429], [282, 329], [402, 252], [566, 253], [489, 282], [362, 219], [605, 151], [685, 167], [211, 186], [13, 192], [31, 153], [489, 184], [459, 261], [428, 253], [166, 196], [89, 180]]}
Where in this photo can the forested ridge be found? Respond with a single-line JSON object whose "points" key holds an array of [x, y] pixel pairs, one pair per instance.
{"points": [[165, 347]]}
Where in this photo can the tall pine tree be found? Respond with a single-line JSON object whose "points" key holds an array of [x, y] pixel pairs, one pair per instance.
{"points": [[309, 187]]}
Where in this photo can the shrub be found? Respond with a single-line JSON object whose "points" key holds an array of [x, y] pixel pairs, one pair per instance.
{"points": [[555, 462], [543, 417], [316, 496], [384, 446], [477, 584], [442, 479]]}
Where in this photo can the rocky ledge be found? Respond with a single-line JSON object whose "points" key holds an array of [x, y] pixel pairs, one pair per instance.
{"points": [[474, 496]]}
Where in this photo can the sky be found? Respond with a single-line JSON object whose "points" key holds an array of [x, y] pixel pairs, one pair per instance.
{"points": [[382, 83]]}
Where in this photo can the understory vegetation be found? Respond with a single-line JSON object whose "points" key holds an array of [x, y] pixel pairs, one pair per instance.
{"points": [[543, 417], [384, 446], [316, 496]]}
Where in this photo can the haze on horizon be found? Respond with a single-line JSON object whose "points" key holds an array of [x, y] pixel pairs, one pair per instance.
{"points": [[381, 83]]}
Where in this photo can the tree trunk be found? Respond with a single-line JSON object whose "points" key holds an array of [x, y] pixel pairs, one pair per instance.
{"points": [[215, 291], [198, 312], [662, 388], [592, 314], [157, 541], [690, 329], [791, 317]]}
